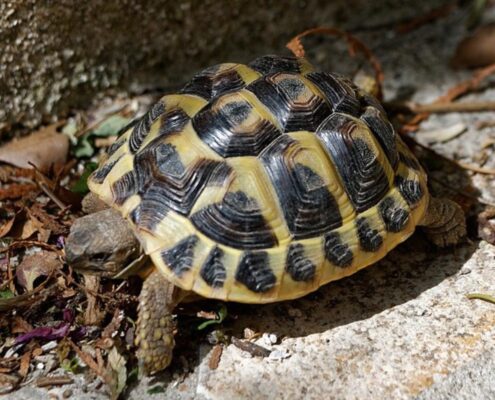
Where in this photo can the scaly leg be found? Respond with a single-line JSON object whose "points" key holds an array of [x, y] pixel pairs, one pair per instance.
{"points": [[444, 222], [155, 325]]}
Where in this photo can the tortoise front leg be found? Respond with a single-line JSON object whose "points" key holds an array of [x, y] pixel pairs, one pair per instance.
{"points": [[444, 222], [155, 324]]}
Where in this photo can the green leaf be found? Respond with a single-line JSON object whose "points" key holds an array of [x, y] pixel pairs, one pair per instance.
{"points": [[156, 389], [221, 315], [71, 365], [111, 126], [81, 186], [6, 294], [84, 148]]}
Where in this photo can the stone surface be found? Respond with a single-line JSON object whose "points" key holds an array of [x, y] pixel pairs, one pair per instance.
{"points": [[57, 55]]}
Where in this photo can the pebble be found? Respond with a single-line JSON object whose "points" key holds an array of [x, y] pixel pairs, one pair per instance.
{"points": [[67, 393], [279, 354], [49, 346]]}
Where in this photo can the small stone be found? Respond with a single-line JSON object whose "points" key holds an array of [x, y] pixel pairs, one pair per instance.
{"points": [[67, 393], [40, 366], [49, 346], [279, 354]]}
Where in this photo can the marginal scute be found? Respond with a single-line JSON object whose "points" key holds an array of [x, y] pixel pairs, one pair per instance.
{"points": [[236, 221], [369, 238], [255, 273], [336, 251], [215, 81], [410, 189], [291, 100], [213, 270], [101, 173], [299, 267], [393, 215], [357, 161], [179, 259], [232, 127]]}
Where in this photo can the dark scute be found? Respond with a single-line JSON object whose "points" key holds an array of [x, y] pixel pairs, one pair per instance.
{"points": [[179, 190], [142, 127], [369, 238], [410, 161], [173, 121], [363, 176], [102, 172], [236, 221], [337, 252], [255, 272], [384, 132], [394, 217], [224, 132], [281, 99], [339, 93], [179, 259], [124, 187], [149, 213], [270, 64], [212, 83], [272, 98], [309, 208], [213, 271], [409, 189], [168, 161], [115, 146], [299, 267]]}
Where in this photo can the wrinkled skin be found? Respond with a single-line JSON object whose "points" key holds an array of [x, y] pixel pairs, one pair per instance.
{"points": [[103, 243]]}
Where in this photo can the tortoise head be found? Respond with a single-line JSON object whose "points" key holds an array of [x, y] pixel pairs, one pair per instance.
{"points": [[102, 243]]}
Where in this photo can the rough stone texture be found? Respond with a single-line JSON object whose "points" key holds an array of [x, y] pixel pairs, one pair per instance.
{"points": [[56, 55]]}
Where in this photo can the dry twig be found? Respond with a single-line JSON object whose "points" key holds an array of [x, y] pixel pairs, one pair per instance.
{"points": [[354, 45]]}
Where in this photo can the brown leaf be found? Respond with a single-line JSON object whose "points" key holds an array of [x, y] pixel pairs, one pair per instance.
{"points": [[476, 50], [20, 325], [42, 148], [6, 226], [17, 190], [25, 361], [35, 266]]}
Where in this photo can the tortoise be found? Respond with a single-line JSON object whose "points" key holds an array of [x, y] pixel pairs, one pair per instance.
{"points": [[254, 183]]}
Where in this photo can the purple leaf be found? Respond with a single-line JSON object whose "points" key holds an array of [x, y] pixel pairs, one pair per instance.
{"points": [[45, 333]]}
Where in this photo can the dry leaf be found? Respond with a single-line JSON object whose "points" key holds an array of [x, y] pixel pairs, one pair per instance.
{"points": [[17, 190], [20, 325], [477, 50], [35, 266], [6, 226], [42, 148], [117, 372], [25, 361]]}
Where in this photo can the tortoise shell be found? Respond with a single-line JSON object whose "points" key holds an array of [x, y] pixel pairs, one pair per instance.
{"points": [[262, 182]]}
